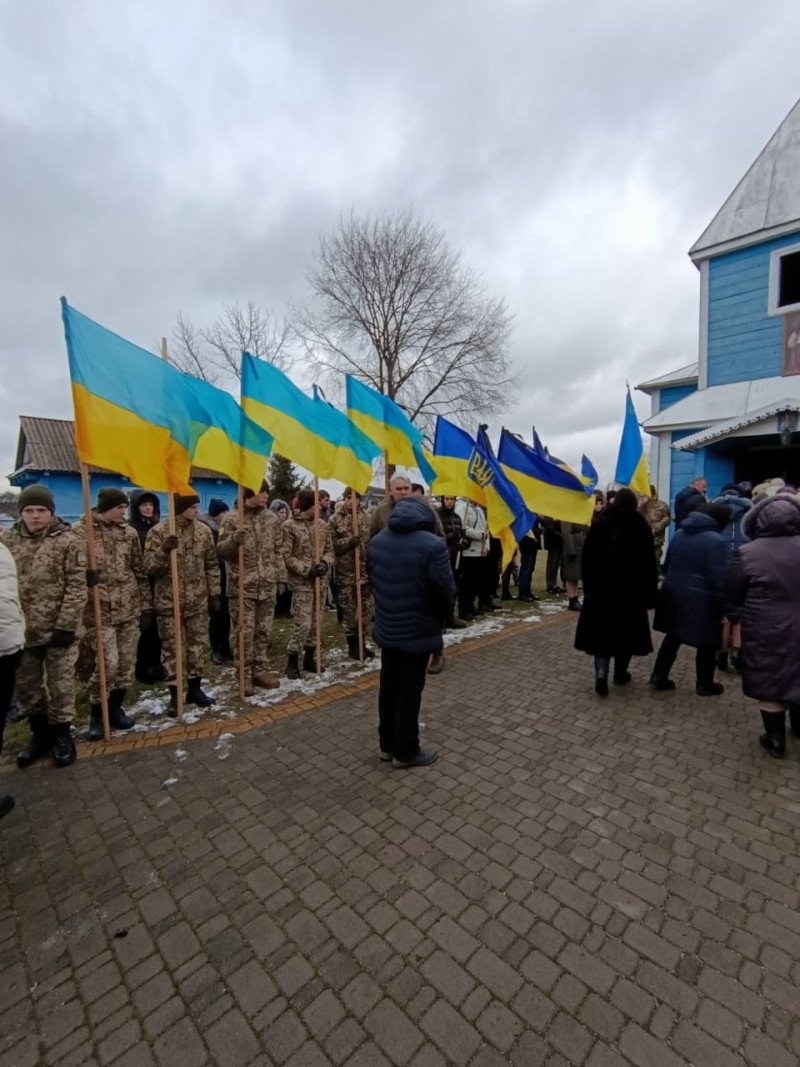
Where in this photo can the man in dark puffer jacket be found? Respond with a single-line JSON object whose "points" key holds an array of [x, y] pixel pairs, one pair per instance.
{"points": [[414, 590]]}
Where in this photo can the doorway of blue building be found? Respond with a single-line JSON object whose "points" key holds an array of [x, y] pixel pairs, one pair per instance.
{"points": [[758, 461]]}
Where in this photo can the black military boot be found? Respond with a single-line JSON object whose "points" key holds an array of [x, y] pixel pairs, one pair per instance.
{"points": [[117, 717], [63, 746], [773, 740], [601, 665], [292, 669], [95, 731], [352, 646], [172, 710], [310, 661], [722, 660], [195, 695], [40, 743]]}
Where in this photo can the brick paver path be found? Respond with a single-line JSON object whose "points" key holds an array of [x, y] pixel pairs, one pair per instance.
{"points": [[576, 881]]}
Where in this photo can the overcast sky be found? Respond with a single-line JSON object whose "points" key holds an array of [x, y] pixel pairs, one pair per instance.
{"points": [[166, 157]]}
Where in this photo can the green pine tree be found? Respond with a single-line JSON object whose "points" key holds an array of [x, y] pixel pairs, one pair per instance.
{"points": [[283, 478]]}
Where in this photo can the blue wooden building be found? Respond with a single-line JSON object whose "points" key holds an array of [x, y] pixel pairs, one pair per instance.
{"points": [[733, 415], [46, 456]]}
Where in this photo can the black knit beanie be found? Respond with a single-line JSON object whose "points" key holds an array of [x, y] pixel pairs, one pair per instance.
{"points": [[217, 507], [36, 496], [305, 499], [183, 503], [108, 498]]}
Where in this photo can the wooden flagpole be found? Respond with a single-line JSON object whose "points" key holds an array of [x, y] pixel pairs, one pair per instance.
{"points": [[176, 594], [240, 635], [359, 608], [91, 558], [386, 472], [317, 581]]}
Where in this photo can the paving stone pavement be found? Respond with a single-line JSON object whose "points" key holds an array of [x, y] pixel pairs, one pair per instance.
{"points": [[577, 881]]}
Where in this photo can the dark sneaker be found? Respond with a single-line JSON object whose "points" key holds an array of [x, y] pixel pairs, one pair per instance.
{"points": [[423, 758], [662, 684]]}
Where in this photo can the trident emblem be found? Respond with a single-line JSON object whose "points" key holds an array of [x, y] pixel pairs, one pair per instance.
{"points": [[479, 469]]}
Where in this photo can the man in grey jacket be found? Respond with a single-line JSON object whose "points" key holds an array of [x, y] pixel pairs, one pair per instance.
{"points": [[12, 640]]}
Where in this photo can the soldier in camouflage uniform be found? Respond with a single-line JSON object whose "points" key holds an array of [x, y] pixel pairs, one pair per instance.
{"points": [[126, 606], [657, 514], [346, 538], [198, 591], [263, 556], [299, 540], [51, 566]]}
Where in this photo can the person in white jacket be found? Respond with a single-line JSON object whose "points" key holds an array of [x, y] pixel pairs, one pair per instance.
{"points": [[473, 557], [12, 639]]}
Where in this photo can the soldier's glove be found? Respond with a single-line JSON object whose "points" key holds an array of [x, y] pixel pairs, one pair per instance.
{"points": [[215, 604], [145, 621], [170, 542], [93, 578], [354, 541], [317, 570], [239, 536], [62, 638]]}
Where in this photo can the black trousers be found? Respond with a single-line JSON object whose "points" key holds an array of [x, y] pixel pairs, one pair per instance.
{"points": [[8, 670], [555, 558], [469, 583], [705, 661], [402, 681]]}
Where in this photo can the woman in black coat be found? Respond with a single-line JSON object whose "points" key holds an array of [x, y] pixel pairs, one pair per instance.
{"points": [[690, 603], [763, 589], [620, 581]]}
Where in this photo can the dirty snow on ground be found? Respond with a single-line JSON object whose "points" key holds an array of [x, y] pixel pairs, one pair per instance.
{"points": [[150, 711]]}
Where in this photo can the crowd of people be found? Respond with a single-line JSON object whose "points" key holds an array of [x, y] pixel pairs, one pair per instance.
{"points": [[730, 590]]}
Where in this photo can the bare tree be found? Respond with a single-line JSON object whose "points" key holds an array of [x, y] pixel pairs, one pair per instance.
{"points": [[395, 306], [214, 352]]}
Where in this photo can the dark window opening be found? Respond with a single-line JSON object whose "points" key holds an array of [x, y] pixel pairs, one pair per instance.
{"points": [[789, 283]]}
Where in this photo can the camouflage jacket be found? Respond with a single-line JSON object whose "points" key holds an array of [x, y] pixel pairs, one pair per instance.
{"points": [[341, 528], [298, 549], [657, 514], [51, 571], [263, 552], [125, 589], [198, 567]]}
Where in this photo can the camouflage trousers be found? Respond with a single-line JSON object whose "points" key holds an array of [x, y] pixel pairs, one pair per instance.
{"points": [[194, 629], [303, 629], [257, 626], [46, 682], [119, 650], [348, 602]]}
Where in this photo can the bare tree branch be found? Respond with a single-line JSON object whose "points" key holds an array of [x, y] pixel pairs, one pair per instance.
{"points": [[395, 306], [214, 352]]}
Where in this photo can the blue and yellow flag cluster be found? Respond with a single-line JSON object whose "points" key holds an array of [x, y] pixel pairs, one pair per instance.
{"points": [[632, 467], [547, 486], [137, 415], [469, 468], [307, 430], [385, 422]]}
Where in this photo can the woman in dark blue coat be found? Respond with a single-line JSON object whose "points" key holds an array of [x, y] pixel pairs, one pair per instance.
{"points": [[690, 603], [414, 589]]}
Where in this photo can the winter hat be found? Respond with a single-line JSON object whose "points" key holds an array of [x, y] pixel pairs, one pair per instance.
{"points": [[109, 497], [731, 489], [625, 500], [276, 505], [183, 503], [36, 496], [720, 513], [217, 507], [264, 489], [305, 499]]}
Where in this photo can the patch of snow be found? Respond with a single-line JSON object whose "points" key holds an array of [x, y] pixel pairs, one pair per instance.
{"points": [[180, 754], [169, 782]]}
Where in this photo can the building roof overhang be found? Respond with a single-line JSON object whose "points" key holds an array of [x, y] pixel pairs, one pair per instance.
{"points": [[722, 403], [682, 376], [734, 427]]}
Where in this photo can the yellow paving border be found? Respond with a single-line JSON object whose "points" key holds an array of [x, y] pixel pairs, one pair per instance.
{"points": [[284, 709]]}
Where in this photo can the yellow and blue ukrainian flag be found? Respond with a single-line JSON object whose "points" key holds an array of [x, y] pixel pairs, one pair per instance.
{"points": [[307, 430], [589, 475], [632, 467], [507, 516], [453, 452], [546, 486], [139, 416], [381, 419]]}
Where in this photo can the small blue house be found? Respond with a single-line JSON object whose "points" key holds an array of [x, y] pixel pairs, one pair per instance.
{"points": [[733, 415], [46, 456]]}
